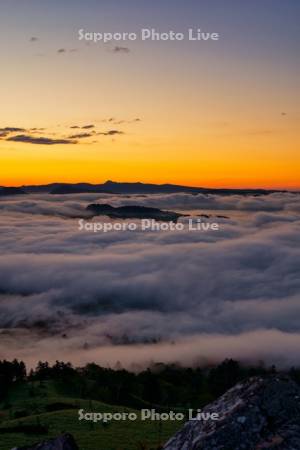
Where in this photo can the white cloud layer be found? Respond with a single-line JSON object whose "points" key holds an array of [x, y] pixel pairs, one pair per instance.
{"points": [[141, 296]]}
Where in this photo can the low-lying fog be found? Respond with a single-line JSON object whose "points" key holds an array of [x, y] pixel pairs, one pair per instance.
{"points": [[141, 296]]}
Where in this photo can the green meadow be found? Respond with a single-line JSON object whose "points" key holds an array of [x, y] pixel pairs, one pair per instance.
{"points": [[41, 405]]}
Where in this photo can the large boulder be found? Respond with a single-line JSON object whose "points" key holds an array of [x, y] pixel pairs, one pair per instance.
{"points": [[63, 442], [258, 414]]}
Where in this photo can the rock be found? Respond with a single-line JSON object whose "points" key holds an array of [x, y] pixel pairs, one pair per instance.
{"points": [[260, 413], [63, 442], [242, 419]]}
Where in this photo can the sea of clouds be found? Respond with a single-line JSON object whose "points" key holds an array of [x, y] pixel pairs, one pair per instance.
{"points": [[138, 297]]}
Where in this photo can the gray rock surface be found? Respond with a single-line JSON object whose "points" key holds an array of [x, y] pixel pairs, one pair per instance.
{"points": [[63, 442], [258, 414]]}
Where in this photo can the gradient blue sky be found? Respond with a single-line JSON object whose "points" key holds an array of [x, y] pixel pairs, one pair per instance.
{"points": [[211, 112]]}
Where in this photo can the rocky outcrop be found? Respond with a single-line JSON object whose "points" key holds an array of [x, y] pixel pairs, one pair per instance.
{"points": [[63, 442], [258, 414]]}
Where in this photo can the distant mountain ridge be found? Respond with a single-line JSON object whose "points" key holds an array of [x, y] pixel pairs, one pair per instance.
{"points": [[8, 191], [113, 187]]}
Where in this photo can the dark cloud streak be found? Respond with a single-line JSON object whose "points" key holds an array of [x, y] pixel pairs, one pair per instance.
{"points": [[39, 140]]}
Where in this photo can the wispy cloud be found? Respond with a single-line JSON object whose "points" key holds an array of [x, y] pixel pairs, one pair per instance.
{"points": [[39, 140], [112, 133], [80, 136], [49, 136], [12, 129], [65, 50], [4, 132], [120, 122], [119, 49]]}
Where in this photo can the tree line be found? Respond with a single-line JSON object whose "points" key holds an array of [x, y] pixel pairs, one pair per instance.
{"points": [[161, 385]]}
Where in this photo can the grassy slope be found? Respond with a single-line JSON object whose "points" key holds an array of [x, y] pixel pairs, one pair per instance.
{"points": [[33, 399]]}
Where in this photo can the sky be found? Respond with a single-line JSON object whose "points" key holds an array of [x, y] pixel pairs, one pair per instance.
{"points": [[215, 113]]}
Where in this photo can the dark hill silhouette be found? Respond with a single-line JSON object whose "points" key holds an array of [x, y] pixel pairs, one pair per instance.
{"points": [[77, 189], [132, 212], [137, 188], [7, 191]]}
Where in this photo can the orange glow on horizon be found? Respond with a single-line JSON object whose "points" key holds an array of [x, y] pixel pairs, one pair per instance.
{"points": [[180, 113]]}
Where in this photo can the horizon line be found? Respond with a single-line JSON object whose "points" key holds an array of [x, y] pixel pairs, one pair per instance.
{"points": [[269, 188]]}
